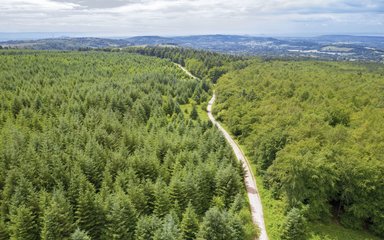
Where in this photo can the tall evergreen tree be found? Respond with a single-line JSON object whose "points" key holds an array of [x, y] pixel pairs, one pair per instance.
{"points": [[146, 227], [121, 218], [4, 235], [194, 115], [57, 219], [90, 213], [80, 235], [189, 224], [215, 226], [169, 230], [295, 227], [24, 224], [162, 199]]}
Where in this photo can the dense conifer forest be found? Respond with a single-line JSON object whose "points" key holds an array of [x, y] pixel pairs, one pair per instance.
{"points": [[94, 145], [109, 144], [315, 133]]}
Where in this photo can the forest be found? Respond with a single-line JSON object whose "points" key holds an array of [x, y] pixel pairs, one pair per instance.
{"points": [[314, 131], [94, 145]]}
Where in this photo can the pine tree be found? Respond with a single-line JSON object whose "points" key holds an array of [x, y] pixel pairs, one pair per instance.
{"points": [[215, 226], [228, 183], [90, 214], [121, 218], [3, 231], [57, 219], [177, 193], [295, 226], [146, 227], [194, 115], [189, 224], [24, 224], [169, 230], [162, 200], [80, 235]]}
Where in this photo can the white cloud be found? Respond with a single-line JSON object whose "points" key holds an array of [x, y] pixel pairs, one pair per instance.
{"points": [[34, 5], [132, 17]]}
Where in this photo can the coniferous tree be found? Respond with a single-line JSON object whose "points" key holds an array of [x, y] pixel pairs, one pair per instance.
{"points": [[146, 227], [90, 213], [189, 224], [162, 199], [194, 115], [80, 235], [169, 230], [57, 218], [121, 218], [4, 235], [295, 226], [215, 226], [24, 224]]}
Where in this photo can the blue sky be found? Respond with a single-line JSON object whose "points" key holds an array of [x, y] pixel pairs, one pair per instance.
{"points": [[188, 17]]}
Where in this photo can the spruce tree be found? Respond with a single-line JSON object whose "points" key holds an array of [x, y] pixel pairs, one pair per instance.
{"points": [[146, 227], [57, 219], [121, 218], [295, 226], [194, 115], [80, 235], [162, 200], [24, 224], [90, 214], [215, 226], [4, 235], [169, 230], [189, 224]]}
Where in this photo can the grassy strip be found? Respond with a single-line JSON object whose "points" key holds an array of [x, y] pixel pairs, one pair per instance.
{"points": [[187, 108]]}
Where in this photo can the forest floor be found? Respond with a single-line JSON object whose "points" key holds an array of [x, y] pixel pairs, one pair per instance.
{"points": [[249, 179]]}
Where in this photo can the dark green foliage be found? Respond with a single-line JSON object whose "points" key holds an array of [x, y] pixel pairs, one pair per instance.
{"points": [[146, 227], [3, 231], [194, 115], [97, 142], [121, 218], [169, 230], [214, 226], [80, 235], [228, 184], [24, 224], [295, 227], [90, 213], [268, 146], [338, 116], [189, 223], [57, 219], [200, 63], [314, 129]]}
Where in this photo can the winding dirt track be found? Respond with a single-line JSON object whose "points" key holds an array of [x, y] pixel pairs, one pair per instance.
{"points": [[249, 179]]}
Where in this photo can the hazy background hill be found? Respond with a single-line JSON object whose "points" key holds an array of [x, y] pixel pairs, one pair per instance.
{"points": [[335, 47]]}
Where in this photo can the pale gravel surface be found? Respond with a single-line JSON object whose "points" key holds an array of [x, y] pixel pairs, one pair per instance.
{"points": [[249, 179]]}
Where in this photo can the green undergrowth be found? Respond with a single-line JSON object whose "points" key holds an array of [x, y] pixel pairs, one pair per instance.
{"points": [[187, 109]]}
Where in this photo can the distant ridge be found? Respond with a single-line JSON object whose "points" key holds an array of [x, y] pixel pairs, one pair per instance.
{"points": [[360, 48]]}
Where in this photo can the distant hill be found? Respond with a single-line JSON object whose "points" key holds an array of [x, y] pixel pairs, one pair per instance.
{"points": [[334, 47]]}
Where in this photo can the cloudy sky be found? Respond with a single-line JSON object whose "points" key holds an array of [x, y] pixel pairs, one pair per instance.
{"points": [[187, 17]]}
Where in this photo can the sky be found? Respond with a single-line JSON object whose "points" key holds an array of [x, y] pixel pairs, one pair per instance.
{"points": [[193, 17]]}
